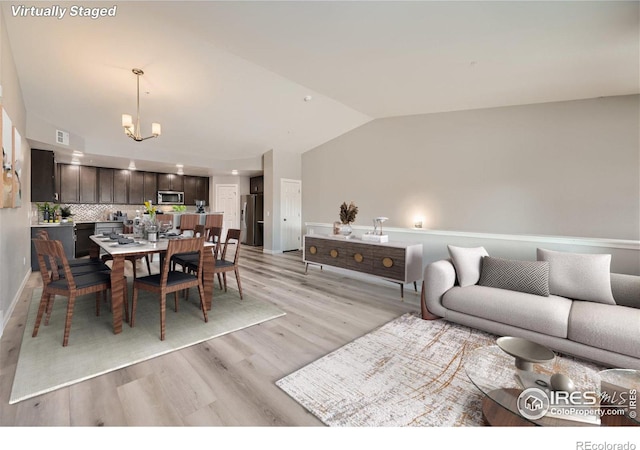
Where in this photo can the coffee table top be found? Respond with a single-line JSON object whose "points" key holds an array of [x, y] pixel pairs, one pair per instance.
{"points": [[494, 373], [620, 389]]}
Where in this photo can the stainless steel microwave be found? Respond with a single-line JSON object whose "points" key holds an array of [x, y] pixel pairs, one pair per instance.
{"points": [[170, 198]]}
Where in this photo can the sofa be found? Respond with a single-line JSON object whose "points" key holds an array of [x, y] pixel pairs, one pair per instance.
{"points": [[569, 302]]}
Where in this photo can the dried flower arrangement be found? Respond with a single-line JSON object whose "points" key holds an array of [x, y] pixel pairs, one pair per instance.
{"points": [[348, 213]]}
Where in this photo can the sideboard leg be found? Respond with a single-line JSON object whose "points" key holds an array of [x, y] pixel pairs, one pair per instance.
{"points": [[306, 267], [402, 291], [415, 285]]}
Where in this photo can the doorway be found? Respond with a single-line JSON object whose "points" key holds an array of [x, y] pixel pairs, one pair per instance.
{"points": [[291, 212], [227, 203]]}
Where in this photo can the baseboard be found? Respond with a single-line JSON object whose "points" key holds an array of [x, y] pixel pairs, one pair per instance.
{"points": [[4, 317]]}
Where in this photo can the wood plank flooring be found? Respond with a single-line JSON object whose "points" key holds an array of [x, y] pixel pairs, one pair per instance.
{"points": [[229, 380]]}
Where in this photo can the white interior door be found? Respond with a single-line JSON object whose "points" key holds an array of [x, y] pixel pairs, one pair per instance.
{"points": [[291, 212], [227, 203]]}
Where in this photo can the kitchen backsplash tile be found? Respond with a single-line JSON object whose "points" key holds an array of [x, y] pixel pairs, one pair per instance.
{"points": [[85, 212]]}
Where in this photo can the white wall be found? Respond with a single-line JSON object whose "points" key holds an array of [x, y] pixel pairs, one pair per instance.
{"points": [[566, 168], [558, 169], [277, 165], [15, 233]]}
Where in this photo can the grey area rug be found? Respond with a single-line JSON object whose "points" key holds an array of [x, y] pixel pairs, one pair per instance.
{"points": [[44, 365], [409, 372]]}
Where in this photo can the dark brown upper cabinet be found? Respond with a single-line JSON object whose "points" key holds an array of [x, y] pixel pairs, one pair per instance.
{"points": [[43, 176], [105, 185], [170, 182], [256, 185]]}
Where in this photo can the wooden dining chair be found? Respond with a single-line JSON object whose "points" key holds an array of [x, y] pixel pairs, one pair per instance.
{"points": [[188, 222], [78, 266], [224, 265], [74, 262], [168, 280], [66, 284], [213, 220]]}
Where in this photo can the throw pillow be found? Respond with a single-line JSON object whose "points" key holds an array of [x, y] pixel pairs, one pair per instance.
{"points": [[531, 277], [579, 276], [467, 262]]}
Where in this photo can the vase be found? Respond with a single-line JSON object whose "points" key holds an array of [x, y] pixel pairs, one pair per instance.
{"points": [[345, 229]]}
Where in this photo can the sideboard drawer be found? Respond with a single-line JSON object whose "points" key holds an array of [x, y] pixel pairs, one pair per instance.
{"points": [[323, 252], [389, 263]]}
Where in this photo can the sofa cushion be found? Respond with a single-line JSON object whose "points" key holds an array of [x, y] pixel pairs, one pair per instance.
{"points": [[547, 315], [615, 328], [467, 262], [579, 276], [523, 276], [626, 289]]}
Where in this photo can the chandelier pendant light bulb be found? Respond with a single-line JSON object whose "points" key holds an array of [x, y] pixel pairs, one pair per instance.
{"points": [[132, 129]]}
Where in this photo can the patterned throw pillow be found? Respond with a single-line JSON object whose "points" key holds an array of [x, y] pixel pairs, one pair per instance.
{"points": [[531, 277]]}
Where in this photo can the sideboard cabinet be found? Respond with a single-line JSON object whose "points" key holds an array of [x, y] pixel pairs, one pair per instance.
{"points": [[399, 262]]}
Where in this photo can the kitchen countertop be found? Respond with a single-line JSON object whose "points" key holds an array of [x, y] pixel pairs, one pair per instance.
{"points": [[41, 225]]}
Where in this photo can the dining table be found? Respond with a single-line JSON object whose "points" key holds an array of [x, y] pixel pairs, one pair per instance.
{"points": [[120, 251]]}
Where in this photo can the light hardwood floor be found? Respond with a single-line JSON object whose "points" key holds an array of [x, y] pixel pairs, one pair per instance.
{"points": [[229, 380]]}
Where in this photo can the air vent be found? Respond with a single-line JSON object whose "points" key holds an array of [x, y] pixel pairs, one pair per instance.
{"points": [[62, 137]]}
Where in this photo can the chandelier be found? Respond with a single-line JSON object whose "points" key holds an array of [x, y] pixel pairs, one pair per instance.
{"points": [[133, 130]]}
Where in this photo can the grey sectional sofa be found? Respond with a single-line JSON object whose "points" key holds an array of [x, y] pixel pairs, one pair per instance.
{"points": [[608, 334]]}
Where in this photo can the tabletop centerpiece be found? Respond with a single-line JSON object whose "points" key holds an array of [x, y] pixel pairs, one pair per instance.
{"points": [[150, 222]]}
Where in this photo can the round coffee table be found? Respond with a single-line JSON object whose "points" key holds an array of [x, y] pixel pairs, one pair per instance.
{"points": [[492, 371]]}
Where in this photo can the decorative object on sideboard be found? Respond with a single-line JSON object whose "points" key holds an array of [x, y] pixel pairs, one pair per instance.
{"points": [[376, 235], [348, 215], [133, 130]]}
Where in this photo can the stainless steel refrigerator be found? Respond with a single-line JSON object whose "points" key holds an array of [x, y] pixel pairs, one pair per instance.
{"points": [[251, 219]]}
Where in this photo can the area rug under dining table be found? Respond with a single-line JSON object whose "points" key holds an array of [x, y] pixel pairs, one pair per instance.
{"points": [[45, 365]]}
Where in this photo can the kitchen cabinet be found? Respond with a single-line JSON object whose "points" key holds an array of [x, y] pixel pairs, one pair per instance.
{"points": [[113, 186], [88, 184], [105, 185], [151, 186], [43, 176], [78, 184], [83, 243], [196, 188], [170, 182], [202, 189], [143, 186], [190, 186], [136, 188], [121, 180], [68, 177], [256, 185]]}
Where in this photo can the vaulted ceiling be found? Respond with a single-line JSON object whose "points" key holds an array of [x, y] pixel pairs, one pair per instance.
{"points": [[227, 80]]}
